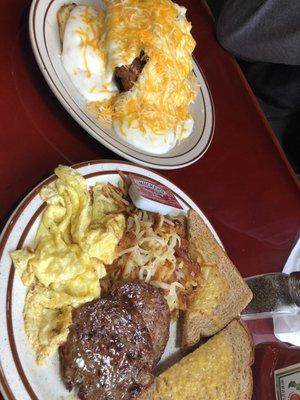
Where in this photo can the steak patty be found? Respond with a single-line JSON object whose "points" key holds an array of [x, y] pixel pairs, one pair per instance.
{"points": [[153, 308], [126, 75], [113, 343]]}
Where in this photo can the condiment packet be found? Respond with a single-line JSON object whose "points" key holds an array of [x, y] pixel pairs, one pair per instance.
{"points": [[287, 327], [152, 196]]}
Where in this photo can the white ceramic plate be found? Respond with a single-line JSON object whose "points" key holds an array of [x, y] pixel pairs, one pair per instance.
{"points": [[47, 49], [20, 378]]}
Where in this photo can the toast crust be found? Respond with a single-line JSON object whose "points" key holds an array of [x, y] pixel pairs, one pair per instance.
{"points": [[230, 299]]}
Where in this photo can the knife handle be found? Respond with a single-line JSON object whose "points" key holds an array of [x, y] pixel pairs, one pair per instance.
{"points": [[294, 287]]}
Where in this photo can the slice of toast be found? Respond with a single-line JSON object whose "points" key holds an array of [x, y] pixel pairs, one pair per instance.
{"points": [[220, 369], [63, 15], [223, 293]]}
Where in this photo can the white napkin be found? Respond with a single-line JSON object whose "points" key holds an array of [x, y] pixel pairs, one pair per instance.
{"points": [[287, 328]]}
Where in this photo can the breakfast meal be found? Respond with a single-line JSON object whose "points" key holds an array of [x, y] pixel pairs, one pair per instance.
{"points": [[132, 63], [105, 282]]}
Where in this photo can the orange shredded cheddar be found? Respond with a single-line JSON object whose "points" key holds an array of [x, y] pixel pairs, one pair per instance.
{"points": [[160, 98]]}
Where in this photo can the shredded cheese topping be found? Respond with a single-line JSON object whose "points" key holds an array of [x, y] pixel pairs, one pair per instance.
{"points": [[159, 100]]}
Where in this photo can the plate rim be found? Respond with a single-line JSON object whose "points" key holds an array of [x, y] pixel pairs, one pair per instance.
{"points": [[5, 388], [131, 155]]}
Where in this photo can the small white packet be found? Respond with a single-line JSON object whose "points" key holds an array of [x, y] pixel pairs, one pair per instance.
{"points": [[152, 196]]}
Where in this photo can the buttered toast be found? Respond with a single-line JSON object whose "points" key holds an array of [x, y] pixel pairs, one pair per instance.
{"points": [[218, 370], [221, 296]]}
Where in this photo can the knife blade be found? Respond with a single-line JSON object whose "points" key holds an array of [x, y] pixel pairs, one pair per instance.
{"points": [[273, 294]]}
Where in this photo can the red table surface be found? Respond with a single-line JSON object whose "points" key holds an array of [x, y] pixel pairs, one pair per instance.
{"points": [[243, 183]]}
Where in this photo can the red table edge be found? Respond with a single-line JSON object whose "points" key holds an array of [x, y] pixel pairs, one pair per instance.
{"points": [[267, 125]]}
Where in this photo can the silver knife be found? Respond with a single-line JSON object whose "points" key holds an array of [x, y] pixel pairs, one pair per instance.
{"points": [[273, 294]]}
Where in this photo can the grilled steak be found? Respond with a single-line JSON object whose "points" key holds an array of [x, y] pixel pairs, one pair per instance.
{"points": [[108, 352], [126, 75], [114, 342], [149, 301]]}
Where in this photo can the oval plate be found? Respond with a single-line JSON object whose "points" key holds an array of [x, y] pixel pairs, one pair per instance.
{"points": [[46, 45], [20, 378]]}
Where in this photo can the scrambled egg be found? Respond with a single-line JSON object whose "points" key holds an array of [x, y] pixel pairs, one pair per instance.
{"points": [[78, 234]]}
